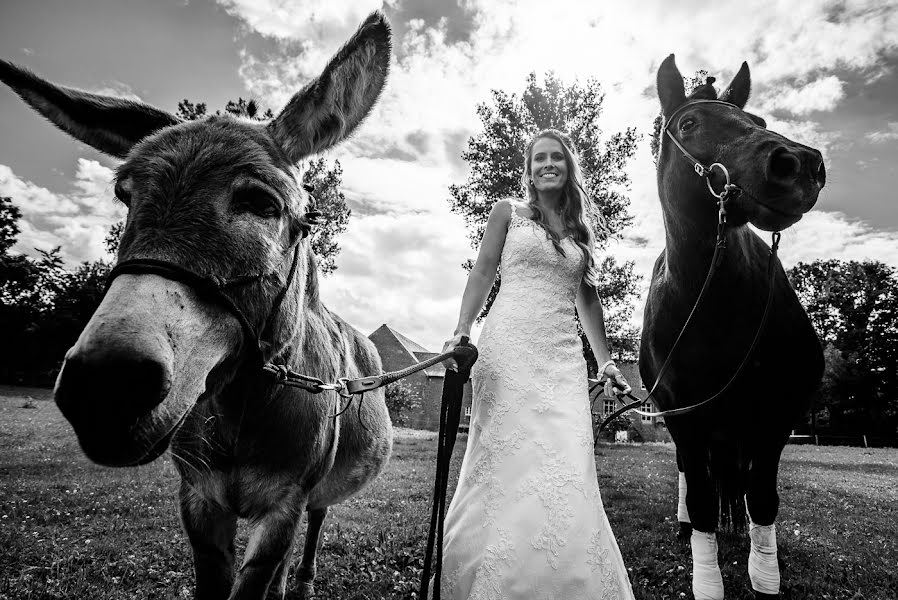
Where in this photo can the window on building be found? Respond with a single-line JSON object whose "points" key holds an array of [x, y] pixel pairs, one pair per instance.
{"points": [[468, 411], [607, 407], [649, 407]]}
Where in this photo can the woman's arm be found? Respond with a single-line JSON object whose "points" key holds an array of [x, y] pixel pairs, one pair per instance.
{"points": [[592, 318], [482, 276]]}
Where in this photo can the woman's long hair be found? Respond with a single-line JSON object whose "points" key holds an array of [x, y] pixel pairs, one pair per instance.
{"points": [[577, 210]]}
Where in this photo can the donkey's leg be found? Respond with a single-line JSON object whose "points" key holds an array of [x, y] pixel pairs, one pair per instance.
{"points": [[210, 530], [701, 502], [685, 531], [763, 500], [267, 552], [308, 568]]}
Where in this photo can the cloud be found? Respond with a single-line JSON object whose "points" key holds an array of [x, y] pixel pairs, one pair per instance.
{"points": [[117, 89], [888, 135], [405, 272], [820, 95], [306, 20], [77, 221]]}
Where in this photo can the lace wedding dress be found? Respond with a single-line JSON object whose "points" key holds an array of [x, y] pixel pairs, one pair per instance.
{"points": [[526, 520]]}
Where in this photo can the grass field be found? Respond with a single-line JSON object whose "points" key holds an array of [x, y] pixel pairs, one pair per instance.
{"points": [[70, 529]]}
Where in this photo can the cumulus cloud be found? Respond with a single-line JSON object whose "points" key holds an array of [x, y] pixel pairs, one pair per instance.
{"points": [[77, 221], [798, 55], [819, 95], [404, 272], [303, 20]]}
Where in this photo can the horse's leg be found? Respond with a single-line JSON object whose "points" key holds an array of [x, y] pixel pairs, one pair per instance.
{"points": [[308, 567], [211, 531], [267, 552], [701, 502], [685, 531], [763, 500]]}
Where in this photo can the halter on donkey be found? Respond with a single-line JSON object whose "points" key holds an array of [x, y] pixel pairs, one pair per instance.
{"points": [[742, 432]]}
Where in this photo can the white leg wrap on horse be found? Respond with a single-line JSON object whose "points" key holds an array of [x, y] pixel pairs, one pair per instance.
{"points": [[682, 513], [707, 584], [763, 569]]}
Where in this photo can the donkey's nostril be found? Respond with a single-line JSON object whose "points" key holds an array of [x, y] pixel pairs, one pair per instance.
{"points": [[784, 164]]}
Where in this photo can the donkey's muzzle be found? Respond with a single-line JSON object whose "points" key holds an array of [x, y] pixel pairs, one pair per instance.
{"points": [[106, 396]]}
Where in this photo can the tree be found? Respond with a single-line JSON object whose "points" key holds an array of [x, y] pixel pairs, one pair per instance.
{"points": [[854, 308], [401, 402], [9, 226], [496, 158], [325, 182]]}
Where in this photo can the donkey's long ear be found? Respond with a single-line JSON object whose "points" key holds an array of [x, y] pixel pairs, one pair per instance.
{"points": [[330, 107], [111, 125], [670, 86], [740, 88]]}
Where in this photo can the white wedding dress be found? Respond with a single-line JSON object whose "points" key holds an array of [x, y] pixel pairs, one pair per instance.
{"points": [[526, 520]]}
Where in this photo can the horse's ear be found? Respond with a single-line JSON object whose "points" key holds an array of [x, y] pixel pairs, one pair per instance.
{"points": [[670, 86], [111, 125], [739, 89], [330, 107]]}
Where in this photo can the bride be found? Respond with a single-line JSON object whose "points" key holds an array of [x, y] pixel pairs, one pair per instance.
{"points": [[526, 520]]}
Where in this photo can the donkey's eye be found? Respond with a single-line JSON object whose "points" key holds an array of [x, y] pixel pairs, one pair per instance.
{"points": [[123, 193], [257, 200], [687, 124]]}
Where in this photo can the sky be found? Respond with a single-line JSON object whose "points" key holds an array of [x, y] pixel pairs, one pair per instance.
{"points": [[824, 73]]}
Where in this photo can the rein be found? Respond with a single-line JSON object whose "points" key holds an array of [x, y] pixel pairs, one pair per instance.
{"points": [[729, 190]]}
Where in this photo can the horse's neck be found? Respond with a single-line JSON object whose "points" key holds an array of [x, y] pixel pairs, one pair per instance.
{"points": [[690, 240]]}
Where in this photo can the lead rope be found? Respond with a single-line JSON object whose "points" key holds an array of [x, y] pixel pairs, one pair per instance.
{"points": [[450, 416], [637, 402]]}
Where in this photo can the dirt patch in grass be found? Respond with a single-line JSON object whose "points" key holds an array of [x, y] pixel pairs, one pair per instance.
{"points": [[71, 529]]}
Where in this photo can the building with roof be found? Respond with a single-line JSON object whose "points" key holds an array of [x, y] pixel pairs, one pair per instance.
{"points": [[642, 428], [399, 352]]}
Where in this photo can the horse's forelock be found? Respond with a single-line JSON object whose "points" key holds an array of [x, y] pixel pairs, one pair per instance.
{"points": [[705, 91]]}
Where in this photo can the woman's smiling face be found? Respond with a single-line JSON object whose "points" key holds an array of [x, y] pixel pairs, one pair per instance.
{"points": [[548, 167]]}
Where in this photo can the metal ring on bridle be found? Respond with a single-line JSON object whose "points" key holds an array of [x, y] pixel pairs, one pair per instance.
{"points": [[726, 187]]}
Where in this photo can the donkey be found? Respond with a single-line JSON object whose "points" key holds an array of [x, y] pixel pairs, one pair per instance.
{"points": [[165, 361], [779, 180]]}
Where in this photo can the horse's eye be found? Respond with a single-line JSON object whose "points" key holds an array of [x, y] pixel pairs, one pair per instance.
{"points": [[123, 193], [258, 201], [687, 124]]}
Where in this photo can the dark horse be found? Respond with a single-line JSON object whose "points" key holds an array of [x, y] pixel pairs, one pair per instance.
{"points": [[744, 431], [164, 361]]}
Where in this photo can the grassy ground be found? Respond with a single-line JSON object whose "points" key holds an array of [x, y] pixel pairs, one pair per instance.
{"points": [[70, 529]]}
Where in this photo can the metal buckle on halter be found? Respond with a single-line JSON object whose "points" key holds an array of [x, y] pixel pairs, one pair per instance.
{"points": [[700, 170]]}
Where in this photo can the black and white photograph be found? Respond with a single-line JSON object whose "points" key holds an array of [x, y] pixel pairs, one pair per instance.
{"points": [[448, 299]]}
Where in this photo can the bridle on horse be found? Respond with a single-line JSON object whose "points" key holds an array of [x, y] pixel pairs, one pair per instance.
{"points": [[730, 190]]}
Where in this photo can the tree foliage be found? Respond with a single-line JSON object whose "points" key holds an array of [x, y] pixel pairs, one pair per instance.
{"points": [[402, 402], [43, 306], [496, 159], [854, 308]]}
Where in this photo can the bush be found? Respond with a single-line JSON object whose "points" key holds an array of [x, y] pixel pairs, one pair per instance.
{"points": [[402, 401]]}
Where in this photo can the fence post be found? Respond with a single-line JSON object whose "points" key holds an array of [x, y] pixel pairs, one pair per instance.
{"points": [[816, 441], [865, 441]]}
